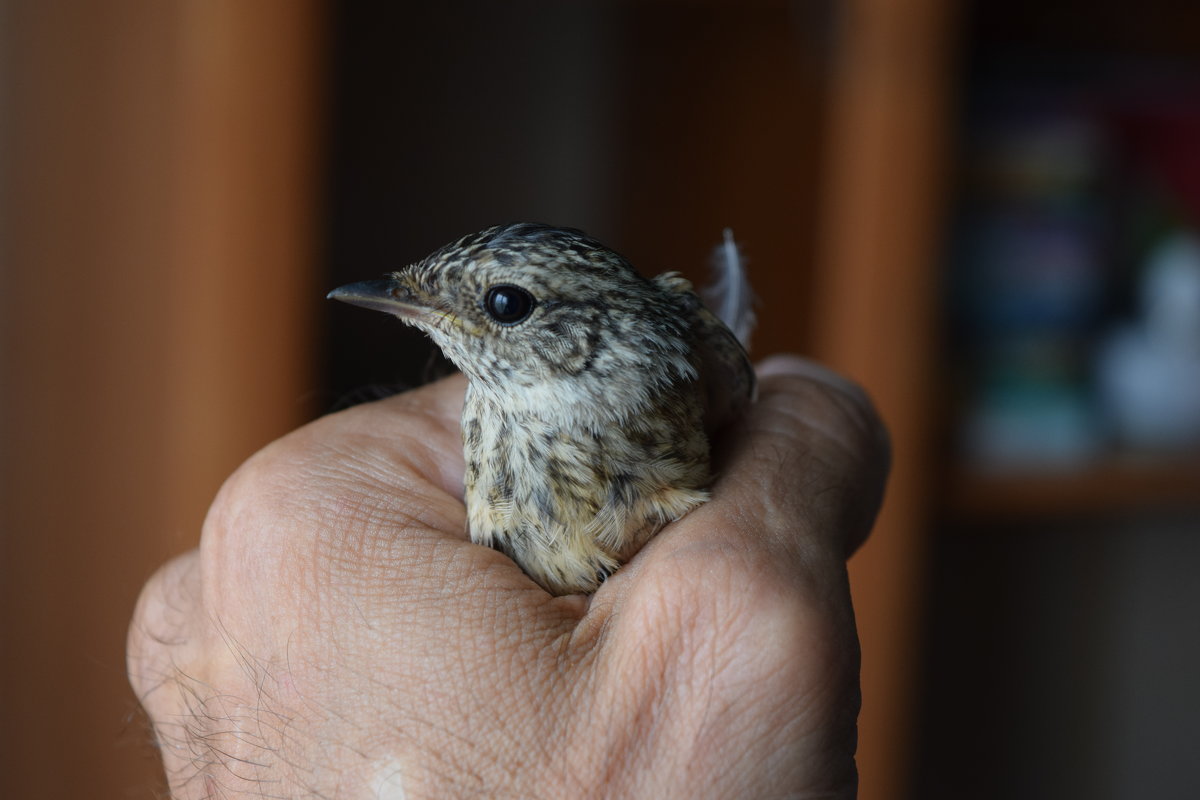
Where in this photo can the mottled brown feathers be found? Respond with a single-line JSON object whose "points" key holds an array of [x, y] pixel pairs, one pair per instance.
{"points": [[584, 420]]}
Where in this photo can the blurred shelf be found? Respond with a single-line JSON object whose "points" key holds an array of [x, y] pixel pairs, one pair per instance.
{"points": [[1117, 484]]}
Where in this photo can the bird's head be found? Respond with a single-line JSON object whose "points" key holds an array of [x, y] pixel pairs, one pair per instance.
{"points": [[532, 307]]}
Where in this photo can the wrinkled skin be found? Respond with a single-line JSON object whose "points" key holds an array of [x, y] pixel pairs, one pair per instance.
{"points": [[336, 635]]}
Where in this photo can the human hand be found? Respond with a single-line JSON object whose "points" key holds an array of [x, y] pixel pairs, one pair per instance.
{"points": [[336, 634]]}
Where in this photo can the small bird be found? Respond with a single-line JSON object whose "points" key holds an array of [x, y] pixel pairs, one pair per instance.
{"points": [[591, 392]]}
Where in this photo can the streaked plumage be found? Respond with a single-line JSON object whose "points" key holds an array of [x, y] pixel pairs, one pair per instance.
{"points": [[584, 425]]}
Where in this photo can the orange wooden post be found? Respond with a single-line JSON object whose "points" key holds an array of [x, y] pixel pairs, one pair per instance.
{"points": [[156, 239], [876, 309]]}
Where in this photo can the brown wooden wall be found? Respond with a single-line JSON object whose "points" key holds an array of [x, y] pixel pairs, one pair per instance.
{"points": [[157, 249], [877, 311]]}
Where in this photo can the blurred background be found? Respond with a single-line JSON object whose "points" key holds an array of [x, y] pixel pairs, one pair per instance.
{"points": [[984, 211]]}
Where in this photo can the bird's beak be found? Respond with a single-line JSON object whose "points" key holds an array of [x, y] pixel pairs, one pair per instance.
{"points": [[384, 294]]}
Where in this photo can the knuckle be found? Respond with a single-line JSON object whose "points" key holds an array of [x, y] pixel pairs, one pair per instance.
{"points": [[265, 501], [202, 692], [161, 626]]}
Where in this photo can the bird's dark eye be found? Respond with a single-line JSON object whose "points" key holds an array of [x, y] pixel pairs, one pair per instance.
{"points": [[508, 305]]}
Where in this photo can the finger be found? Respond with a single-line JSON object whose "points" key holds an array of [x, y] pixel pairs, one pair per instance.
{"points": [[367, 500], [162, 628], [799, 479], [814, 450], [203, 695], [418, 429], [748, 594], [394, 463], [363, 492]]}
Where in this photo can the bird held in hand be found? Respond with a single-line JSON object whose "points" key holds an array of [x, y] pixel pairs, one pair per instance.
{"points": [[591, 394]]}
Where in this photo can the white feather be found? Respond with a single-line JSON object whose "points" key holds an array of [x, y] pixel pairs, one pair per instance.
{"points": [[730, 296]]}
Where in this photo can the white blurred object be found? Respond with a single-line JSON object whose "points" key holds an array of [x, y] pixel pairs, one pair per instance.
{"points": [[1171, 294], [730, 296], [1149, 372]]}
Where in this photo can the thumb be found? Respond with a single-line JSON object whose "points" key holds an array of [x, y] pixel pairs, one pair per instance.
{"points": [[816, 451], [799, 479]]}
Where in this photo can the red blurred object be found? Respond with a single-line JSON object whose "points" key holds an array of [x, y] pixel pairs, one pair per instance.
{"points": [[1163, 138]]}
